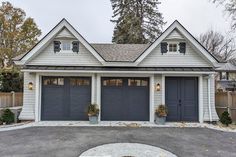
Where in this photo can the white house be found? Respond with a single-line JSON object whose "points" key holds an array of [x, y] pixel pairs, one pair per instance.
{"points": [[64, 73]]}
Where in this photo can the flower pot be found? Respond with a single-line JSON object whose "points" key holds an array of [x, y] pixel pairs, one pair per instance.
{"points": [[160, 120], [93, 119]]}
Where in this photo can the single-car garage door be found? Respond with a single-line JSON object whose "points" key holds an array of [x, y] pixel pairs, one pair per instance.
{"points": [[65, 98], [182, 98], [125, 99]]}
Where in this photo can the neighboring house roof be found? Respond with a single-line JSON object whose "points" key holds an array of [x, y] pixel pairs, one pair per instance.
{"points": [[120, 52], [227, 67], [117, 52], [227, 85], [196, 69]]}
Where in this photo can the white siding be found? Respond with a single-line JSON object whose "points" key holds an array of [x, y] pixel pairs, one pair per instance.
{"points": [[190, 59], [64, 33], [48, 57], [157, 94], [27, 112], [175, 34], [206, 115]]}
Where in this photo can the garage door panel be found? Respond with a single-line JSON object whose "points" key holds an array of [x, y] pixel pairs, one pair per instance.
{"points": [[62, 100], [128, 100], [113, 103]]}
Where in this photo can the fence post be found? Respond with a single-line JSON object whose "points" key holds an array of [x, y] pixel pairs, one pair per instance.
{"points": [[13, 98]]}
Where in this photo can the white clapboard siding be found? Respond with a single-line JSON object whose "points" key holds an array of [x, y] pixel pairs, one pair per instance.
{"points": [[27, 112], [189, 59], [206, 115], [157, 94], [48, 57], [175, 34], [65, 33]]}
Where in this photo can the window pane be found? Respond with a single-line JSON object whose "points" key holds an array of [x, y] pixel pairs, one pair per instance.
{"points": [[79, 82], [113, 82], [46, 82], [172, 47], [137, 82], [61, 81], [66, 46], [144, 83], [53, 81]]}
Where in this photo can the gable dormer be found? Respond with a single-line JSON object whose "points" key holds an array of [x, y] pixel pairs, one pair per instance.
{"points": [[62, 46]]}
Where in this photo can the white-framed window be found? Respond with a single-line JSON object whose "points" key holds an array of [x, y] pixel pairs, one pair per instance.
{"points": [[172, 47], [66, 46]]}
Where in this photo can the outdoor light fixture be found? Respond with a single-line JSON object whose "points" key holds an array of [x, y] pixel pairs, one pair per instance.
{"points": [[30, 86], [158, 87]]}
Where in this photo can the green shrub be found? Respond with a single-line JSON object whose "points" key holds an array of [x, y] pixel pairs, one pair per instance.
{"points": [[11, 80], [93, 110], [225, 118], [1, 121], [8, 116]]}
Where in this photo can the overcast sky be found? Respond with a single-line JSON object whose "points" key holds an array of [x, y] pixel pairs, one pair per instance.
{"points": [[92, 17]]}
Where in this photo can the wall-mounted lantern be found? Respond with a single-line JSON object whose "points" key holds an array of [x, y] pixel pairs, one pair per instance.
{"points": [[158, 87], [30, 86]]}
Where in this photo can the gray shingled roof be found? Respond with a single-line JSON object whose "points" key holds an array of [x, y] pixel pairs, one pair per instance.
{"points": [[227, 67], [120, 52]]}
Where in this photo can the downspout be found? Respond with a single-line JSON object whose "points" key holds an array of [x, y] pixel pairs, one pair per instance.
{"points": [[209, 96]]}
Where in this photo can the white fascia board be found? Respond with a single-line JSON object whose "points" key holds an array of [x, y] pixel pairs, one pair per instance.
{"points": [[120, 64], [195, 43], [118, 72], [156, 43], [84, 42], [42, 44]]}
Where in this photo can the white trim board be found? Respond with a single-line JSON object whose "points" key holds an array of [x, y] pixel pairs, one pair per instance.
{"points": [[119, 72]]}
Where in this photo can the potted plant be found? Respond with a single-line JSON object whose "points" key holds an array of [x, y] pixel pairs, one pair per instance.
{"points": [[160, 114], [93, 113]]}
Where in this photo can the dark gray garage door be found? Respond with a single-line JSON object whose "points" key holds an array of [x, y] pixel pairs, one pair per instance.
{"points": [[182, 98], [125, 99], [65, 98]]}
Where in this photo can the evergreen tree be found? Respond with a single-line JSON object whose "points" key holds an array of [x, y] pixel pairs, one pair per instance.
{"points": [[137, 21], [17, 33]]}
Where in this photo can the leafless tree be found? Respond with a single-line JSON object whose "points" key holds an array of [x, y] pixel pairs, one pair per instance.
{"points": [[230, 9], [223, 47]]}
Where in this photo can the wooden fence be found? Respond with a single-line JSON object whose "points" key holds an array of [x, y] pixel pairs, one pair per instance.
{"points": [[11, 99], [226, 101]]}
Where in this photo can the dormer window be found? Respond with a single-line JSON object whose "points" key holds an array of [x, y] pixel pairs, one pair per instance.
{"points": [[66, 46], [172, 47]]}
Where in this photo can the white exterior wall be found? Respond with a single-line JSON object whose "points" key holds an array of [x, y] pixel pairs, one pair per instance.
{"points": [[189, 59], [157, 94], [206, 114], [27, 112], [48, 57]]}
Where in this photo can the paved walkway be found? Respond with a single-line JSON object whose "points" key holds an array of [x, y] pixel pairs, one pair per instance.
{"points": [[72, 141], [126, 149]]}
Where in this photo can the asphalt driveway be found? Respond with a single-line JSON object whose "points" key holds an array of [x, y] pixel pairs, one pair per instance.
{"points": [[72, 141]]}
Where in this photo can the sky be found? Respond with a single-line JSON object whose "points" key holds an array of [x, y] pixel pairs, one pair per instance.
{"points": [[92, 17]]}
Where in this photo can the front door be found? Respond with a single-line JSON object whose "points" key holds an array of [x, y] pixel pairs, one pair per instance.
{"points": [[181, 94]]}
